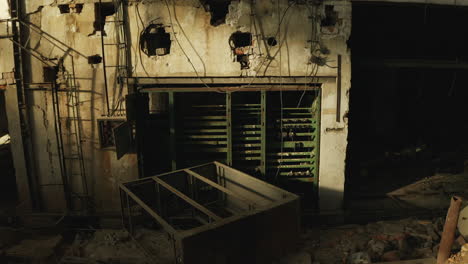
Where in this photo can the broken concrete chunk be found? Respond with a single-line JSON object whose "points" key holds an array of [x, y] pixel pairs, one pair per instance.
{"points": [[359, 258]]}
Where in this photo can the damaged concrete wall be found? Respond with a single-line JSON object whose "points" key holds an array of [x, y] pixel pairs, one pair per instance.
{"points": [[200, 46], [194, 39]]}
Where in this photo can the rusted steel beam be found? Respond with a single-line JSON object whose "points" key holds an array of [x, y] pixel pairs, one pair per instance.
{"points": [[187, 199], [240, 88], [448, 235], [221, 188]]}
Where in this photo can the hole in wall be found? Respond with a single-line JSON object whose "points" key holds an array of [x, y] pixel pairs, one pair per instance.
{"points": [[218, 10], [240, 42], [50, 74], [271, 41], [71, 8], [94, 59], [240, 39], [64, 9], [244, 61], [155, 41], [101, 11], [331, 17]]}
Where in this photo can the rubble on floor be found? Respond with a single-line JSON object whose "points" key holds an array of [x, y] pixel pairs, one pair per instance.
{"points": [[384, 241], [109, 246], [461, 257], [378, 242]]}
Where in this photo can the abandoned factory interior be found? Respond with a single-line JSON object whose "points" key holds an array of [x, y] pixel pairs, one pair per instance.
{"points": [[233, 131]]}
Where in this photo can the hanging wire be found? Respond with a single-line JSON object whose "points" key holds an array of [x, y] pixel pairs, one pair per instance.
{"points": [[137, 10], [188, 40]]}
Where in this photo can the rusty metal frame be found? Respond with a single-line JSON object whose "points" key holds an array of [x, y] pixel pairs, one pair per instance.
{"points": [[259, 200]]}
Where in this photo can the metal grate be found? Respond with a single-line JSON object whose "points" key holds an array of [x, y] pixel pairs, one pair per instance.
{"points": [[202, 132], [271, 135]]}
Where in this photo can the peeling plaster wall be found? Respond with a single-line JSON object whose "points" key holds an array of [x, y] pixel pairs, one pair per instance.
{"points": [[212, 57], [208, 49]]}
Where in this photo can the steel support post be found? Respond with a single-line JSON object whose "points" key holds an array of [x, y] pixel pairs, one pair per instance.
{"points": [[229, 128]]}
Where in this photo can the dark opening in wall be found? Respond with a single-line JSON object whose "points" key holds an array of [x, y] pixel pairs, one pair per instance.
{"points": [[240, 39], [71, 8], [272, 41], [50, 74], [218, 9], [101, 11], [331, 17], [240, 42], [64, 9], [94, 59], [154, 40]]}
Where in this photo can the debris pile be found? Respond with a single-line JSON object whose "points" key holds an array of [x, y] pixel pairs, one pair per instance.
{"points": [[117, 246], [106, 246], [379, 242], [461, 257]]}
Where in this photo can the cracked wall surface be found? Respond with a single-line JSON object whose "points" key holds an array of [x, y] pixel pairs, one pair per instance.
{"points": [[197, 47]]}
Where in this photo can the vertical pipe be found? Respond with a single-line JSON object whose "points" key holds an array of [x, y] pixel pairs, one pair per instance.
{"points": [[126, 38], [229, 127], [263, 122], [448, 235], [317, 111], [172, 131], [18, 32], [103, 56]]}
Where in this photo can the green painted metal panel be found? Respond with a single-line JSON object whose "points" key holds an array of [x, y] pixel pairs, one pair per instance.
{"points": [[243, 130], [229, 127], [263, 147]]}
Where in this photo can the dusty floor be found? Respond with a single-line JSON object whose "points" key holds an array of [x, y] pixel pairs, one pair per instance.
{"points": [[376, 242], [351, 244]]}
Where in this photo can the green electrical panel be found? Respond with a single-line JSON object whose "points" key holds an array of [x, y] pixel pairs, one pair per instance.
{"points": [[272, 135]]}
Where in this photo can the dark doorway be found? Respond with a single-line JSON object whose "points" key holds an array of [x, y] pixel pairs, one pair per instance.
{"points": [[408, 112]]}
